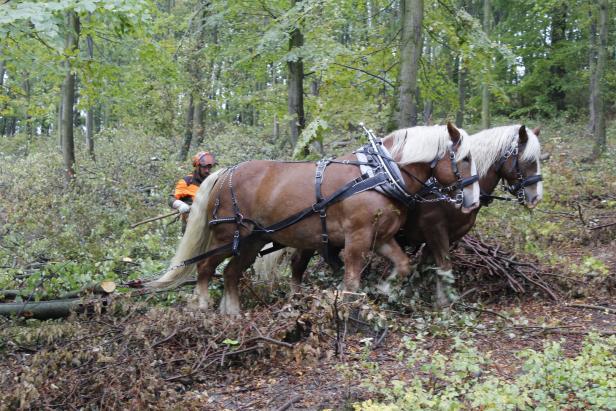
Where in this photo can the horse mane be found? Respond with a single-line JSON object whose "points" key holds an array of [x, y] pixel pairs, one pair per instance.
{"points": [[488, 146], [423, 144]]}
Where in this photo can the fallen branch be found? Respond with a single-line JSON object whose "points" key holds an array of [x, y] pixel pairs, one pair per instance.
{"points": [[288, 404], [593, 307], [149, 220], [477, 256], [603, 226]]}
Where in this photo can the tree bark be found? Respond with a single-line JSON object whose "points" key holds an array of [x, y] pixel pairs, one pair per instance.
{"points": [[599, 111], [557, 70], [27, 90], [485, 89], [461, 92], [68, 142], [592, 64], [90, 110], [411, 19], [198, 124], [2, 72], [296, 86], [44, 310], [188, 130]]}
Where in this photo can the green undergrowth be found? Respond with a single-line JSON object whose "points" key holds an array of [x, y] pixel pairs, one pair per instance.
{"points": [[56, 237], [464, 379]]}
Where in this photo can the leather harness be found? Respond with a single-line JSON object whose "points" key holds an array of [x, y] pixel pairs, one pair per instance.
{"points": [[517, 189], [378, 171]]}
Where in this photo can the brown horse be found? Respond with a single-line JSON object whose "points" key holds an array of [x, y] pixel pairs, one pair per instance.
{"points": [[510, 154], [244, 200]]}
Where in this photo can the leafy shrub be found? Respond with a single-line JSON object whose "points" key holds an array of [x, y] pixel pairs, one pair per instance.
{"points": [[56, 238], [549, 380]]}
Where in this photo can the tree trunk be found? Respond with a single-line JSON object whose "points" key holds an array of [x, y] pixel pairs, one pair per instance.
{"points": [[276, 130], [188, 129], [411, 19], [485, 89], [296, 87], [2, 71], [592, 65], [461, 92], [557, 70], [68, 142], [427, 101], [90, 110], [198, 126], [599, 86], [27, 91]]}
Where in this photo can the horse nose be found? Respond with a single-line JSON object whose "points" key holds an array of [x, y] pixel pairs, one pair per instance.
{"points": [[473, 206], [533, 202]]}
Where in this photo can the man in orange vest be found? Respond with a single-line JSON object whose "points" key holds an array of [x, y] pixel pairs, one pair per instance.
{"points": [[187, 187]]}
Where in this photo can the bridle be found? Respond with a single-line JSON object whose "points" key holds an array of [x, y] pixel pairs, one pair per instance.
{"points": [[431, 186], [517, 189], [444, 193]]}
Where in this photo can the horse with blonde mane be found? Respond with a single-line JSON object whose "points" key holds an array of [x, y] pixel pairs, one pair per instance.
{"points": [[240, 209], [510, 154]]}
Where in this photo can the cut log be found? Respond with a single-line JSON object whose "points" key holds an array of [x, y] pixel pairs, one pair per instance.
{"points": [[45, 310], [101, 288]]}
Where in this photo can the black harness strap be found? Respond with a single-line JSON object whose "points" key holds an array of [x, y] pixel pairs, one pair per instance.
{"points": [[356, 186], [318, 180]]}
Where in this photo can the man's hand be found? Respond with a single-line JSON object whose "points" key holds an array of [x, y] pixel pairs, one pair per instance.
{"points": [[181, 206]]}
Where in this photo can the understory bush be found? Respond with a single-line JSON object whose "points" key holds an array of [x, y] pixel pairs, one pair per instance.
{"points": [[57, 237], [548, 380]]}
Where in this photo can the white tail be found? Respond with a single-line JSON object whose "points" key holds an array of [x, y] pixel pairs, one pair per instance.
{"points": [[270, 266], [195, 239]]}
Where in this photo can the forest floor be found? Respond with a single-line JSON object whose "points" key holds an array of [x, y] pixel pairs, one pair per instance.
{"points": [[292, 353], [312, 351]]}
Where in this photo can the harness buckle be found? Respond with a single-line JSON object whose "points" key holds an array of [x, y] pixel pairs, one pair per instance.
{"points": [[236, 243], [325, 238], [459, 198]]}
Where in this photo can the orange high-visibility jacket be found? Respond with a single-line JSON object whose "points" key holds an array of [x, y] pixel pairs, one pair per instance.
{"points": [[186, 189]]}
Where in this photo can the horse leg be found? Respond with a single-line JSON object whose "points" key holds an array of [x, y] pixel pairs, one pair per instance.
{"points": [[402, 265], [230, 303], [205, 271], [357, 246], [299, 263], [438, 243]]}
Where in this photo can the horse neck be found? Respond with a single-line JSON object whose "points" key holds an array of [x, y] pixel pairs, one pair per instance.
{"points": [[421, 171], [488, 182]]}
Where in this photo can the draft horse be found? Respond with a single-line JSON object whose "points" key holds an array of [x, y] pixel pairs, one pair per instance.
{"points": [[240, 209], [509, 154]]}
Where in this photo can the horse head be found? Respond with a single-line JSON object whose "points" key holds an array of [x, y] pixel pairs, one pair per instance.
{"points": [[456, 170], [522, 171]]}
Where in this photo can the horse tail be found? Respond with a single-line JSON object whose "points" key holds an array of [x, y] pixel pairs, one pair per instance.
{"points": [[270, 266], [195, 239]]}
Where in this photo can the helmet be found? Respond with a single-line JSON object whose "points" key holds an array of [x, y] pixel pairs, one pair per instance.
{"points": [[203, 158]]}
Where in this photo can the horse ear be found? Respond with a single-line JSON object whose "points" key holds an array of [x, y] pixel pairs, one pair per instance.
{"points": [[523, 138], [536, 131], [454, 133]]}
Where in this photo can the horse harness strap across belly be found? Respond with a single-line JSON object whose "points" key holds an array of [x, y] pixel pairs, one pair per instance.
{"points": [[379, 171]]}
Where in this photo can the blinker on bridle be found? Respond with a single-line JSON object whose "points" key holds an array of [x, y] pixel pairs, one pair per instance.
{"points": [[432, 185], [522, 182]]}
